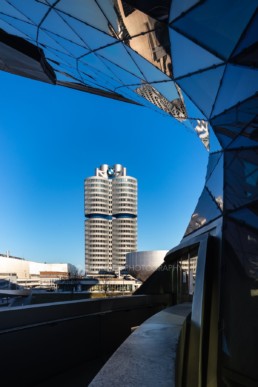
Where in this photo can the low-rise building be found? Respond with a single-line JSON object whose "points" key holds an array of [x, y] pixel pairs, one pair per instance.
{"points": [[33, 274]]}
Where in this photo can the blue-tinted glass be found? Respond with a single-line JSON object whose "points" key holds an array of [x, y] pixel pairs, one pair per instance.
{"points": [[93, 63], [118, 55], [24, 28], [189, 124], [72, 48], [203, 88], [223, 139], [10, 29], [89, 13], [131, 94], [235, 117], [49, 2], [92, 37], [251, 131], [251, 170], [45, 39], [62, 58], [214, 179], [108, 9], [242, 80], [124, 76], [9, 10], [232, 122], [179, 6], [150, 72], [35, 11], [167, 89], [188, 57], [222, 21], [214, 159], [62, 76], [55, 24], [87, 80], [214, 143], [243, 141], [72, 73], [249, 36], [241, 175], [206, 210], [192, 110], [96, 68]]}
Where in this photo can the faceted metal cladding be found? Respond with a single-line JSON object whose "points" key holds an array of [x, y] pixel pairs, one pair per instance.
{"points": [[111, 218], [195, 61]]}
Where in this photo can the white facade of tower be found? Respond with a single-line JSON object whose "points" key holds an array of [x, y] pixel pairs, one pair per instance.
{"points": [[111, 218]]}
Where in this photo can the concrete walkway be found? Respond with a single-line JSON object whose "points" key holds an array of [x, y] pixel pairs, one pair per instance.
{"points": [[147, 357]]}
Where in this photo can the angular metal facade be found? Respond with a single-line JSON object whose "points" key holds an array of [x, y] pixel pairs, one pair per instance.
{"points": [[195, 61]]}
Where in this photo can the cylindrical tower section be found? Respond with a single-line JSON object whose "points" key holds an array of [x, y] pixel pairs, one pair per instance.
{"points": [[98, 223], [124, 240], [98, 249], [124, 196], [97, 196], [124, 211]]}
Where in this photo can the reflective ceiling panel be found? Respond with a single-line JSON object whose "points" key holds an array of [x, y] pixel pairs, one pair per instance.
{"points": [[246, 50], [199, 58], [10, 10], [21, 28], [244, 82], [54, 23], [222, 21], [241, 173], [178, 7], [118, 54], [207, 83], [94, 39], [33, 11], [151, 72], [90, 14]]}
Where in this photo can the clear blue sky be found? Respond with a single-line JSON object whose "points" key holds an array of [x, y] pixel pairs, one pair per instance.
{"points": [[52, 138]]}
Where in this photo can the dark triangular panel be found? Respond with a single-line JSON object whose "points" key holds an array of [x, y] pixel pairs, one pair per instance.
{"points": [[239, 84], [158, 9], [246, 216], [202, 88], [189, 57], [222, 21], [179, 7], [241, 175], [246, 52], [215, 178], [205, 211], [90, 14]]}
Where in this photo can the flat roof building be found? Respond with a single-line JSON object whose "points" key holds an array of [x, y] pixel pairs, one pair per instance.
{"points": [[33, 274]]}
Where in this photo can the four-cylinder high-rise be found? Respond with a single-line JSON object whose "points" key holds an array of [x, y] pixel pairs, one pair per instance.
{"points": [[111, 218]]}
